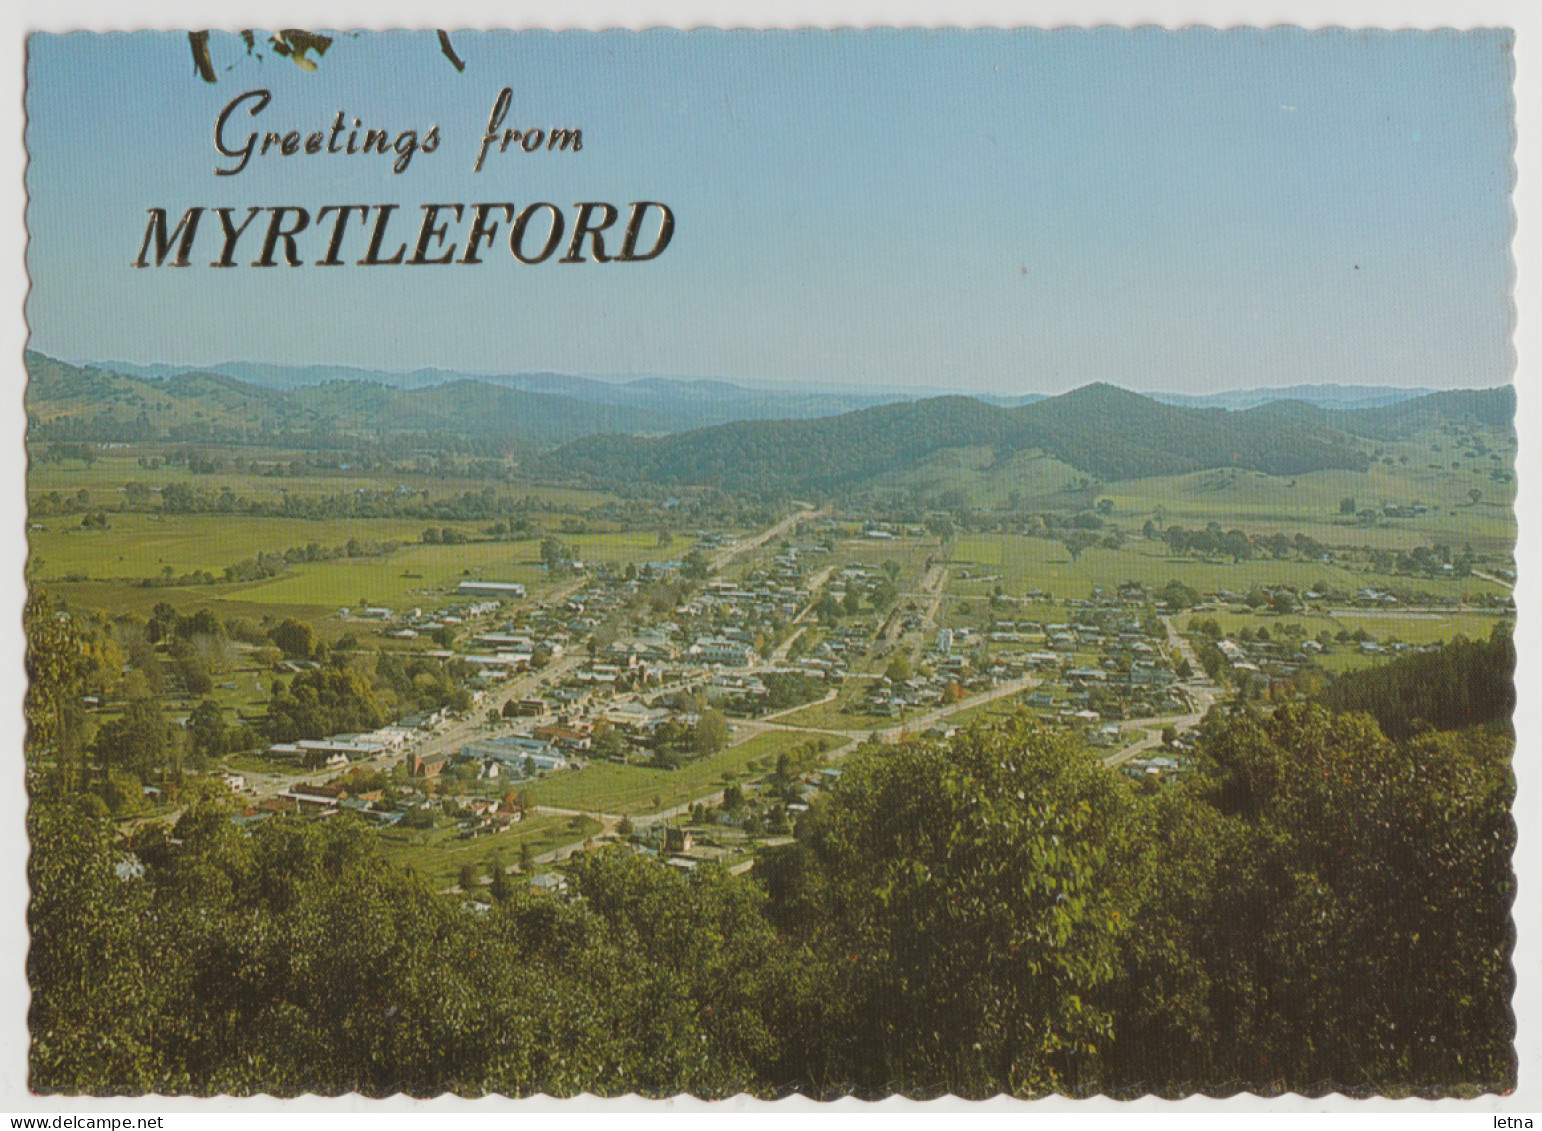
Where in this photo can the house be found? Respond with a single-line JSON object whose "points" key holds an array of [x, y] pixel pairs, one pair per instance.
{"points": [[566, 737], [309, 802], [511, 589], [549, 883], [517, 751], [427, 765], [719, 650]]}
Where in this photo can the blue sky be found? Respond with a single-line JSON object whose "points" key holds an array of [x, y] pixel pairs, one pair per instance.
{"points": [[1012, 212]]}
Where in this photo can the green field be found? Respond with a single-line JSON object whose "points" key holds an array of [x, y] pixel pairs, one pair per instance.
{"points": [[1023, 563], [1264, 504], [987, 482], [437, 854], [604, 787], [104, 480], [834, 714], [140, 546]]}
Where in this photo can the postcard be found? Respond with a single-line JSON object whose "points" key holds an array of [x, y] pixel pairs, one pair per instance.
{"points": [[821, 563]]}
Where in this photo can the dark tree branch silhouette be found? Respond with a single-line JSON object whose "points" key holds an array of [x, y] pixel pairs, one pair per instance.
{"points": [[290, 43]]}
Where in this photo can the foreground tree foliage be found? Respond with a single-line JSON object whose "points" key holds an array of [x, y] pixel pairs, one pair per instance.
{"points": [[295, 960], [1319, 908], [961, 909], [1325, 910]]}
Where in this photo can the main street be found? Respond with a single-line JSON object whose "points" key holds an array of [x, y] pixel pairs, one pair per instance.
{"points": [[1200, 688]]}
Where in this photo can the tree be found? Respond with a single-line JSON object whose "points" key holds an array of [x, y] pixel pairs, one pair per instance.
{"points": [[1475, 495], [297, 639], [883, 594], [501, 889], [292, 44], [605, 741], [1369, 856], [58, 662], [1347, 505], [139, 741], [899, 668], [1077, 541], [963, 905], [710, 734], [556, 557], [207, 732], [1235, 544]]}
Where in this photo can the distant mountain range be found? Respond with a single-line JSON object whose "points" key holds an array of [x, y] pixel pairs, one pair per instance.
{"points": [[693, 431], [1323, 396], [805, 401], [660, 404]]}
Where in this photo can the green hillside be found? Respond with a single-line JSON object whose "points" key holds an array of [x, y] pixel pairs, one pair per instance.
{"points": [[1099, 430], [1102, 431]]}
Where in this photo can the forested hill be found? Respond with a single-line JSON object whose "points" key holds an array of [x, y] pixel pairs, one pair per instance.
{"points": [[795, 454], [1107, 432], [1116, 434]]}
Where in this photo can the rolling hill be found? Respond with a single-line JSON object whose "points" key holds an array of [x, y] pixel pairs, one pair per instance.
{"points": [[1106, 432]]}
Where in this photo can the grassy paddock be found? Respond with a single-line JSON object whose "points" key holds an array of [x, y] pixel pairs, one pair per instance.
{"points": [[1023, 563], [604, 787], [104, 480], [437, 854]]}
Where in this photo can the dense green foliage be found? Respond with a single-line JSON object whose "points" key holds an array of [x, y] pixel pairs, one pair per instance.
{"points": [[346, 695], [1323, 908], [295, 959], [1465, 683]]}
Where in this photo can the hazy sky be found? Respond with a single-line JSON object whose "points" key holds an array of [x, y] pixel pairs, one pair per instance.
{"points": [[1014, 212]]}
